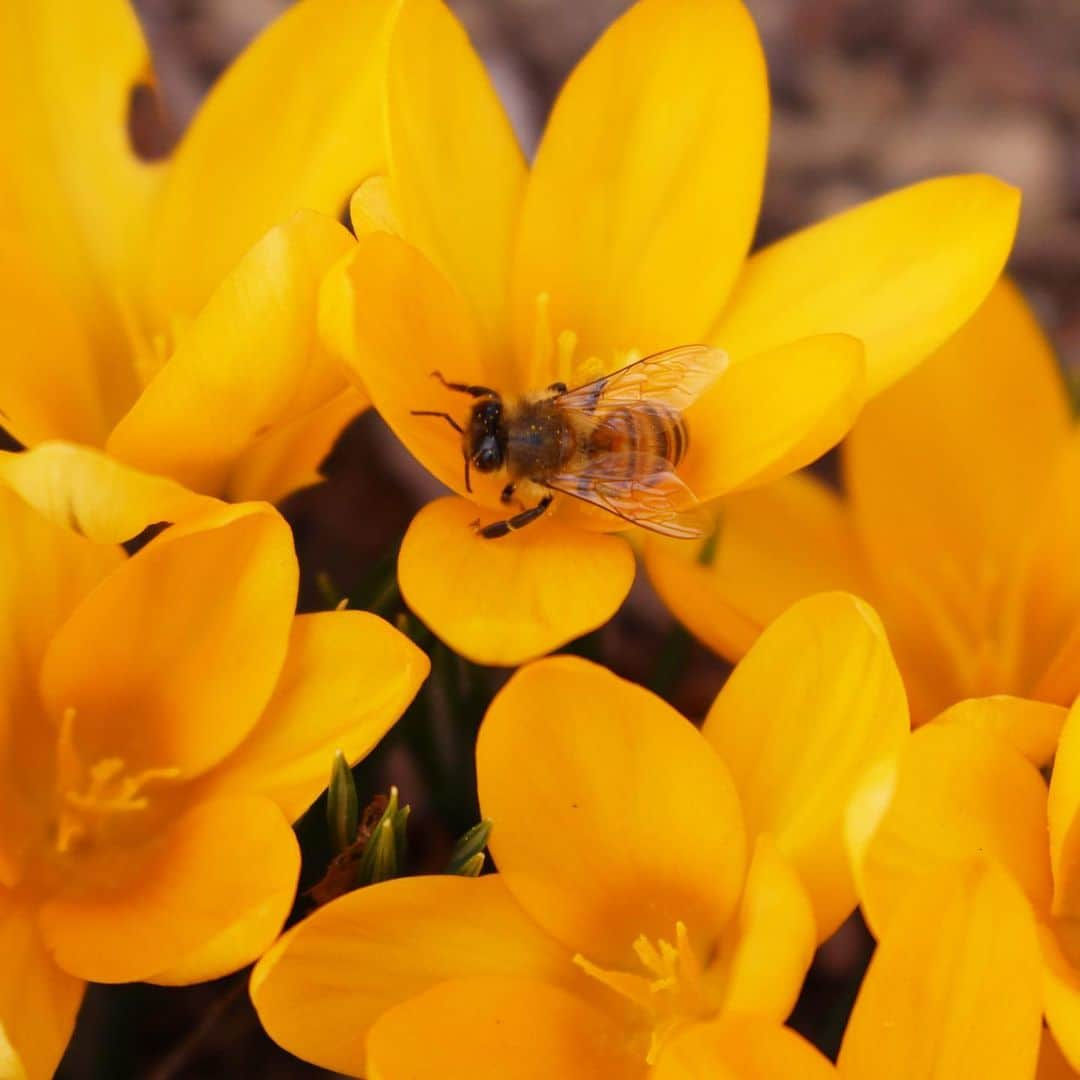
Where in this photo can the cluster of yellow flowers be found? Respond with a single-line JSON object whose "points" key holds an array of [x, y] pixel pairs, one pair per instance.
{"points": [[186, 339]]}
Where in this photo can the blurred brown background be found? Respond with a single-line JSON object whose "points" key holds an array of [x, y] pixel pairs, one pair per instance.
{"points": [[868, 95]]}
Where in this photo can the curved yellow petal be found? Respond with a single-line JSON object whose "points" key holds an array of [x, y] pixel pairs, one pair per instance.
{"points": [[45, 571], [1061, 990], [348, 676], [741, 1048], [322, 986], [612, 816], [772, 940], [171, 660], [215, 886], [509, 600], [72, 191], [289, 455], [49, 382], [407, 321], [1033, 727], [513, 1029], [250, 361], [645, 190], [1063, 814], [940, 802], [902, 273], [456, 173], [814, 703], [773, 413], [319, 134], [1053, 1064], [38, 1001], [944, 474], [1049, 586], [953, 988], [89, 493], [771, 546]]}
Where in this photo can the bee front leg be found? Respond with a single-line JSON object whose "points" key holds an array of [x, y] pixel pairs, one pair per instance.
{"points": [[518, 521]]}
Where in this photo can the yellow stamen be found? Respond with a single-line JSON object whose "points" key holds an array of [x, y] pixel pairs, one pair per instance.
{"points": [[672, 993], [106, 789]]}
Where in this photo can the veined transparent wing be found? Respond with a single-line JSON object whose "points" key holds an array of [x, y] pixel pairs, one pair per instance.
{"points": [[675, 378], [639, 488]]}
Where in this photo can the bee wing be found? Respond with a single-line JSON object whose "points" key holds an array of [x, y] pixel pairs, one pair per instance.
{"points": [[675, 378], [639, 488]]}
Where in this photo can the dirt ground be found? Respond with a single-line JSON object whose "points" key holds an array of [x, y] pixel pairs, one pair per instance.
{"points": [[868, 95]]}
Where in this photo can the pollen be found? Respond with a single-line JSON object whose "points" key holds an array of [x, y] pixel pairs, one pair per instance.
{"points": [[672, 988], [89, 796]]}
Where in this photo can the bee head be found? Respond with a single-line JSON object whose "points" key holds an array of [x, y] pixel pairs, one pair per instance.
{"points": [[485, 446]]}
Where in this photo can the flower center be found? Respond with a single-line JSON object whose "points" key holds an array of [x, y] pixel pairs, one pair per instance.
{"points": [[89, 797], [673, 990], [554, 356]]}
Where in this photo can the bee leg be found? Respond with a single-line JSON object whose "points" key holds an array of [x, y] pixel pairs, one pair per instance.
{"points": [[518, 521], [465, 388], [507, 496], [557, 388]]}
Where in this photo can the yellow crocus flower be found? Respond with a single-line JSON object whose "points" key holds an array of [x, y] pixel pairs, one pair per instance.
{"points": [[627, 235], [962, 798], [654, 881], [960, 522], [164, 310], [163, 718]]}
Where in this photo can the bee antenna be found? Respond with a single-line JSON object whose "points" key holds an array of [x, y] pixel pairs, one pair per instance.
{"points": [[468, 484]]}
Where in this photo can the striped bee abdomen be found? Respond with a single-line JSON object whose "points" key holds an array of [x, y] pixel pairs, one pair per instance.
{"points": [[647, 428]]}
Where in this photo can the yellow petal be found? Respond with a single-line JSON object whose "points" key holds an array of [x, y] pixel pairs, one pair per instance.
{"points": [[772, 940], [1050, 586], [902, 273], [49, 382], [953, 989], [773, 413], [71, 187], [348, 676], [513, 1029], [944, 473], [319, 134], [215, 886], [1033, 727], [89, 493], [249, 362], [45, 571], [509, 600], [940, 802], [323, 984], [1063, 813], [645, 190], [741, 1048], [612, 816], [456, 172], [171, 660], [1061, 990], [38, 1001], [1052, 1062], [408, 321], [813, 704], [289, 455], [772, 546]]}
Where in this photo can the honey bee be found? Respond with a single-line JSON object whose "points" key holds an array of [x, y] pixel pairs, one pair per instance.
{"points": [[613, 443]]}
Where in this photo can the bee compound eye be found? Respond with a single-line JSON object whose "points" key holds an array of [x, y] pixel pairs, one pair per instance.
{"points": [[488, 459]]}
